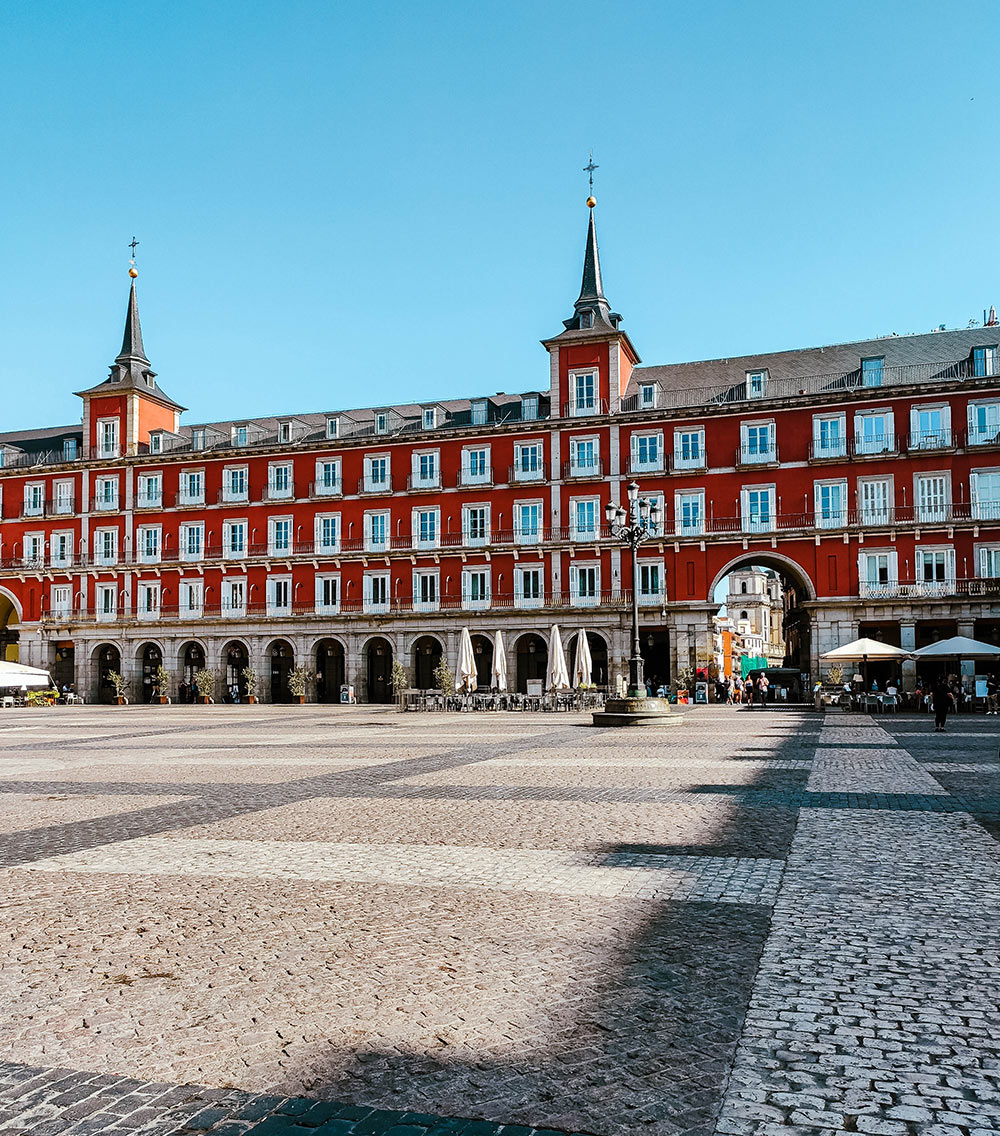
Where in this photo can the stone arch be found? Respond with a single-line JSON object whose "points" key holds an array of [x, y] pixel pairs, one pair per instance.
{"points": [[599, 656], [426, 653], [377, 653], [482, 652], [768, 558], [192, 656], [235, 658], [106, 657], [532, 653], [281, 658], [11, 614], [329, 656], [148, 658]]}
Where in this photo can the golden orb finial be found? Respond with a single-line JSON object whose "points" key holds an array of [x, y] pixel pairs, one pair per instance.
{"points": [[591, 202], [133, 272]]}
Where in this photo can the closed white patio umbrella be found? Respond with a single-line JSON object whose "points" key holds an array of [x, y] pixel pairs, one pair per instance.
{"points": [[958, 647], [466, 663], [558, 676], [583, 664], [499, 663], [16, 674]]}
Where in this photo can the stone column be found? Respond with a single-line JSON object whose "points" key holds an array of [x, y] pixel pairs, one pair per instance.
{"points": [[907, 640]]}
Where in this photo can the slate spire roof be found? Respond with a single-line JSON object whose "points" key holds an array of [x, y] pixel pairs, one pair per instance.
{"points": [[132, 348], [590, 290]]}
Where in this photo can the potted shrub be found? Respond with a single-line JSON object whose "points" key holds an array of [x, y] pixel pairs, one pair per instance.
{"points": [[444, 680], [121, 685], [204, 683], [250, 678], [397, 680], [161, 684], [298, 678]]}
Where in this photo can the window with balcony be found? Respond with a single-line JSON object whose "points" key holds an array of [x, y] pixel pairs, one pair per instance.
{"points": [[475, 588], [234, 597], [984, 423], [61, 549], [149, 541], [689, 448], [529, 408], [583, 386], [235, 483], [147, 601], [376, 529], [192, 487], [327, 478], [528, 461], [328, 534], [985, 489], [375, 591], [234, 538], [426, 470], [61, 601], [875, 501], [584, 585], [758, 508], [984, 361], [877, 573], [529, 589], [106, 546], [107, 437], [192, 541], [936, 568], [872, 371], [930, 427], [150, 491], [528, 522], [475, 525], [34, 499], [583, 457], [280, 536], [279, 481], [106, 602], [647, 452], [831, 504], [874, 432], [476, 465], [933, 493], [425, 591], [756, 384], [328, 593], [585, 518], [651, 581], [758, 445], [33, 547], [988, 561], [279, 595], [830, 436], [689, 513], [191, 599], [106, 493], [377, 474], [426, 526], [64, 497]]}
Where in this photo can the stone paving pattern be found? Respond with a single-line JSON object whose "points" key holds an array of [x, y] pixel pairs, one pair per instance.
{"points": [[235, 920]]}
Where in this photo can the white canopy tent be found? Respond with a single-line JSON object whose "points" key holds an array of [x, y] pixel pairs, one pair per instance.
{"points": [[958, 647], [16, 675], [499, 663], [583, 664], [864, 649], [558, 676], [466, 663]]}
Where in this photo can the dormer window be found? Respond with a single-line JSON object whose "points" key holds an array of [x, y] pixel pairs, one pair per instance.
{"points": [[479, 412], [872, 371], [197, 439], [756, 384], [529, 407], [240, 435], [69, 449], [333, 427], [381, 422], [284, 431], [984, 362], [430, 418], [156, 443], [647, 396], [586, 320]]}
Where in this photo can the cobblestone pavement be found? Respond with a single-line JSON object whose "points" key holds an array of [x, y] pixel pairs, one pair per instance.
{"points": [[283, 921]]}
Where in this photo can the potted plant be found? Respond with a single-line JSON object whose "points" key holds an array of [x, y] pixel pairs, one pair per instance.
{"points": [[204, 683], [121, 685], [161, 684], [250, 678], [397, 680], [298, 678]]}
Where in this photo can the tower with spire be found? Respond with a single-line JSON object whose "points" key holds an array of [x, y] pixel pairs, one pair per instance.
{"points": [[120, 413], [592, 359]]}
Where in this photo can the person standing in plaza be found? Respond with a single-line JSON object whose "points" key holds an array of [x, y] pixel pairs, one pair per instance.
{"points": [[763, 686], [942, 700], [992, 694]]}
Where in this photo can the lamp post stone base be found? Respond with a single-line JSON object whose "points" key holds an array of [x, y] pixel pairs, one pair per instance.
{"points": [[637, 712]]}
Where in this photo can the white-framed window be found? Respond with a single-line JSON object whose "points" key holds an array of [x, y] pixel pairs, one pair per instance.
{"points": [[529, 408], [106, 546], [476, 465], [984, 422], [930, 426], [234, 596], [936, 568], [584, 456], [475, 588], [529, 587], [479, 412], [830, 504], [156, 442], [106, 602], [33, 550], [427, 469], [984, 362], [107, 437], [284, 431], [376, 531], [757, 443], [756, 384], [872, 371], [199, 438], [426, 590], [149, 540], [240, 435], [429, 417], [61, 549], [192, 487], [375, 591], [933, 497], [70, 449], [150, 491], [61, 600], [280, 484], [585, 518], [191, 598], [279, 536], [328, 593], [689, 447], [234, 539], [651, 582], [829, 435], [333, 427], [529, 461], [34, 499], [235, 483], [877, 572], [689, 512], [647, 396], [64, 497], [328, 481], [583, 392], [279, 595], [192, 540], [377, 473], [988, 561], [874, 432], [147, 601], [647, 452], [381, 422], [584, 585], [426, 527], [106, 493], [475, 525], [327, 535], [875, 500], [757, 508], [985, 492], [528, 522]]}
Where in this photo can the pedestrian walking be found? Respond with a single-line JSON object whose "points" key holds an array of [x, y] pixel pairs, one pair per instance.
{"points": [[750, 690], [992, 695], [763, 686], [942, 700]]}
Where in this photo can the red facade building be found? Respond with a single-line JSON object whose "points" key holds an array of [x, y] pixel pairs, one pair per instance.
{"points": [[867, 474]]}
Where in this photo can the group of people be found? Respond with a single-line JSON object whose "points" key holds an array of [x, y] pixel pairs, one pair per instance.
{"points": [[751, 691]]}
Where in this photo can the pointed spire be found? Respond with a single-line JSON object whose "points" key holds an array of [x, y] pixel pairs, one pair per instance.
{"points": [[593, 312], [132, 347], [590, 289]]}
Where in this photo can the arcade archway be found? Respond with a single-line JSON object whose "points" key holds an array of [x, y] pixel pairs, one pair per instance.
{"points": [[109, 660], [10, 622], [427, 655], [532, 661], [150, 660], [282, 659], [598, 658], [192, 659], [329, 670], [482, 652], [378, 668], [235, 659]]}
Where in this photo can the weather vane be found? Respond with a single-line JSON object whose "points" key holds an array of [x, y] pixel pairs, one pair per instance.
{"points": [[589, 169], [131, 270]]}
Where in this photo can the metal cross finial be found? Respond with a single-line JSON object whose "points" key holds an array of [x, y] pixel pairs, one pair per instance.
{"points": [[132, 245], [589, 169]]}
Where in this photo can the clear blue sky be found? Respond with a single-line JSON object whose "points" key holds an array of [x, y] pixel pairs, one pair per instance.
{"points": [[346, 204]]}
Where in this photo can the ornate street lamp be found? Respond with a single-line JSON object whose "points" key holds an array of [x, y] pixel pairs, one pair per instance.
{"points": [[633, 528]]}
